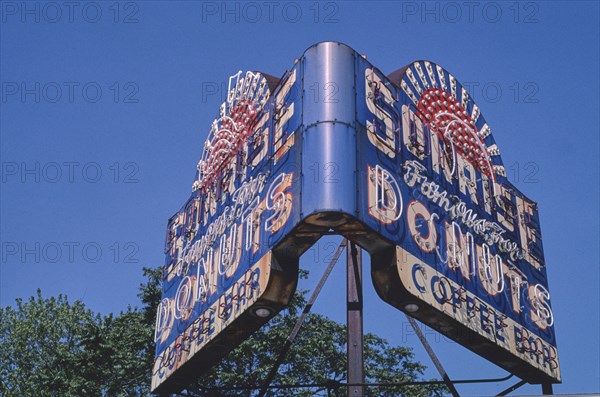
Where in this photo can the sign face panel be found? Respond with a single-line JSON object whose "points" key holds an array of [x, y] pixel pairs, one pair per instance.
{"points": [[468, 259], [405, 165], [219, 246]]}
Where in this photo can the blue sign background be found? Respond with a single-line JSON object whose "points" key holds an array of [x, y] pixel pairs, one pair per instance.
{"points": [[398, 232]]}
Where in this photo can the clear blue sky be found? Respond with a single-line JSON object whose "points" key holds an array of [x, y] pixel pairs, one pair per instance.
{"points": [[105, 106]]}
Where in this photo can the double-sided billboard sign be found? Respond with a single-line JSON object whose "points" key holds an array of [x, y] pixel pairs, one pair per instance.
{"points": [[405, 165]]}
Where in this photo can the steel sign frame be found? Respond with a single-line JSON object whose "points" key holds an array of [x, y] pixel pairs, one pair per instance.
{"points": [[405, 165]]}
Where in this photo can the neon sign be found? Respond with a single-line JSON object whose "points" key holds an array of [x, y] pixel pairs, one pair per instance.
{"points": [[467, 257], [221, 266], [408, 169]]}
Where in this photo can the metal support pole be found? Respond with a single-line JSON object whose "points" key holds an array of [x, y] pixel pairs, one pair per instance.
{"points": [[354, 307], [547, 389]]}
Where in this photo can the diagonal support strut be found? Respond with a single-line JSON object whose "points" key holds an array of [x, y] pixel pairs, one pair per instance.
{"points": [[290, 340], [436, 361]]}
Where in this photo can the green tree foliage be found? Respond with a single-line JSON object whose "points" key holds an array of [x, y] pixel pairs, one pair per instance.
{"points": [[51, 347], [318, 356]]}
